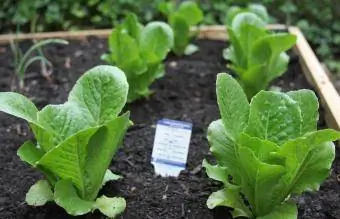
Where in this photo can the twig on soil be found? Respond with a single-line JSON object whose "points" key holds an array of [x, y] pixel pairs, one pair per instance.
{"points": [[183, 210], [196, 170]]}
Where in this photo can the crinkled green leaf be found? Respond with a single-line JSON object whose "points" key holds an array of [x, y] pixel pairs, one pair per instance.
{"points": [[101, 92], [109, 176], [156, 40], [111, 207], [274, 116], [18, 105], [259, 181], [262, 149], [229, 197], [286, 210], [29, 153], [308, 160], [309, 105], [39, 194], [110, 136], [233, 105], [68, 159], [65, 195], [60, 122]]}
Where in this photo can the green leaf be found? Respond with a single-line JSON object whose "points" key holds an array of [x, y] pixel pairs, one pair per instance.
{"points": [[233, 105], [110, 136], [29, 153], [181, 34], [156, 40], [132, 25], [260, 11], [274, 116], [259, 181], [60, 122], [39, 194], [216, 172], [268, 49], [309, 105], [190, 12], [262, 149], [18, 105], [246, 19], [111, 207], [68, 159], [286, 210], [191, 49], [223, 148], [102, 92], [109, 176], [65, 195], [308, 160], [229, 197]]}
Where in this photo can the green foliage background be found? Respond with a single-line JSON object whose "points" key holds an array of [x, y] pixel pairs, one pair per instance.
{"points": [[320, 20]]}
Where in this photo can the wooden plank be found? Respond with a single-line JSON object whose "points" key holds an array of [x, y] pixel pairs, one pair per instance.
{"points": [[314, 71], [217, 32]]}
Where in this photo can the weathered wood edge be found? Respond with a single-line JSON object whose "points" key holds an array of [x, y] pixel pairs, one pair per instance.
{"points": [[311, 66]]}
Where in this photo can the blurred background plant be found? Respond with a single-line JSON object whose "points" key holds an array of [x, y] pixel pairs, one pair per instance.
{"points": [[319, 20]]}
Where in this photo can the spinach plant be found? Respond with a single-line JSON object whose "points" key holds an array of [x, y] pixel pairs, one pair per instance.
{"points": [[267, 151], [23, 60], [258, 9], [139, 52], [181, 19], [75, 141], [256, 55]]}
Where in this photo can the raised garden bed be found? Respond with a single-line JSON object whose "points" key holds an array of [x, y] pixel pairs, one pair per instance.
{"points": [[187, 92]]}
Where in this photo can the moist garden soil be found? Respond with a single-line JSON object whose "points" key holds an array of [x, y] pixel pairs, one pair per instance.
{"points": [[187, 92]]}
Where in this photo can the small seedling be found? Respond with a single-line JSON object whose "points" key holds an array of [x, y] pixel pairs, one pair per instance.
{"points": [[23, 60]]}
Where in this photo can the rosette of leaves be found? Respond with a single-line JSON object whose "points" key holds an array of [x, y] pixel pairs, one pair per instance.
{"points": [[75, 142], [139, 51], [256, 55], [181, 19], [267, 151]]}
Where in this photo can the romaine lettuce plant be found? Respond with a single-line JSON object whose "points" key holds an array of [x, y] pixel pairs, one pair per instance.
{"points": [[267, 151], [139, 52], [256, 55], [181, 19], [75, 141]]}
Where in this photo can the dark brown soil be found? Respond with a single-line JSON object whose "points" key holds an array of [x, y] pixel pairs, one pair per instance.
{"points": [[187, 92]]}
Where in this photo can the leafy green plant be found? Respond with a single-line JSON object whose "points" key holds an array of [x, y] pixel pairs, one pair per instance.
{"points": [[267, 151], [23, 60], [257, 9], [75, 141], [139, 52], [181, 19], [256, 55]]}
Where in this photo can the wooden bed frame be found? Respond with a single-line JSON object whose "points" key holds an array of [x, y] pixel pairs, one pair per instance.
{"points": [[311, 66]]}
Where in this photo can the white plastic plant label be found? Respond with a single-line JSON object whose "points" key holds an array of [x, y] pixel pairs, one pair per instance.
{"points": [[171, 146]]}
